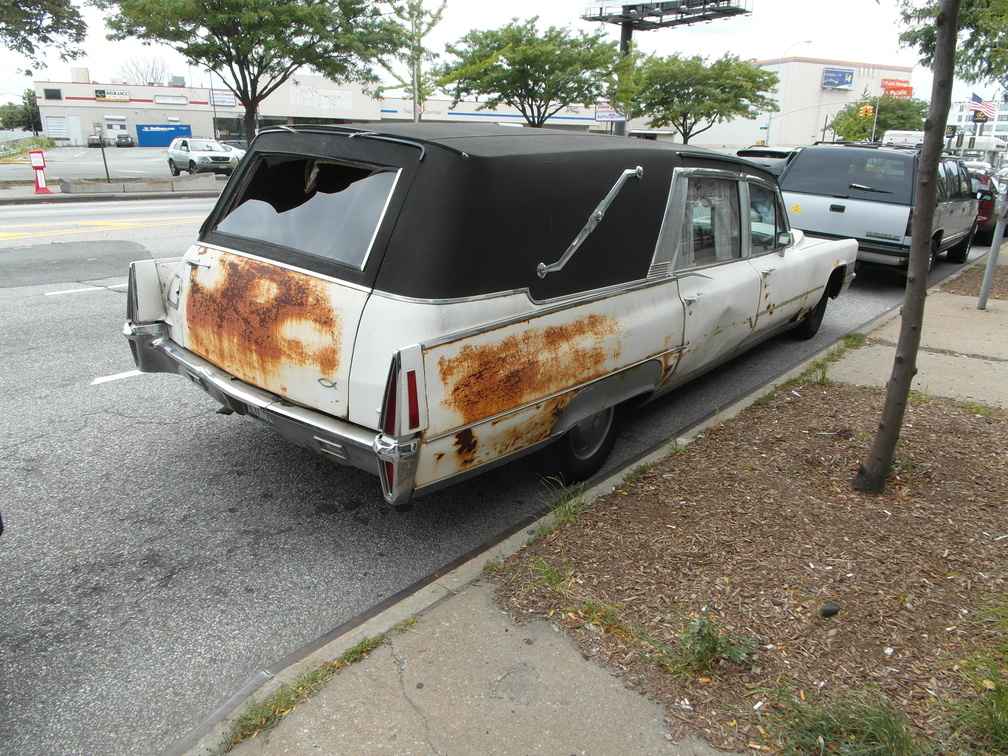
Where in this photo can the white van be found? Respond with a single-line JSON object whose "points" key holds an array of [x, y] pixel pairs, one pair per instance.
{"points": [[903, 139]]}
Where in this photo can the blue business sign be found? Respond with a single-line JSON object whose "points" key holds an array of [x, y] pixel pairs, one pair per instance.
{"points": [[838, 78], [160, 135]]}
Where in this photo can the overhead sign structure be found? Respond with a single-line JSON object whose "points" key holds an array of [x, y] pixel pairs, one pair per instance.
{"points": [[838, 78]]}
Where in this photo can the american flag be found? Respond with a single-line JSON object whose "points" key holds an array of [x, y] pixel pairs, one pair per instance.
{"points": [[987, 108]]}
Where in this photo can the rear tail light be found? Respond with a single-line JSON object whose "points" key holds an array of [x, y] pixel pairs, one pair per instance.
{"points": [[413, 399]]}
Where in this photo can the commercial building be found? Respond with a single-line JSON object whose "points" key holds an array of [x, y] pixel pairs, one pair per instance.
{"points": [[811, 91]]}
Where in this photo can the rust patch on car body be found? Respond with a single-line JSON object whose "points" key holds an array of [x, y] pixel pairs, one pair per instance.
{"points": [[466, 443], [493, 377], [259, 321]]}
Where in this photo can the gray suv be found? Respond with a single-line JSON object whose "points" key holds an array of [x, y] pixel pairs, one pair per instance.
{"points": [[867, 193], [197, 155]]}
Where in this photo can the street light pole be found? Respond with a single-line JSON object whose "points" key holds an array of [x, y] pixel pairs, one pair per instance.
{"points": [[780, 62]]}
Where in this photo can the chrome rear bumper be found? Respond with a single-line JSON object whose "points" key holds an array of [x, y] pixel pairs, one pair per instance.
{"points": [[340, 441]]}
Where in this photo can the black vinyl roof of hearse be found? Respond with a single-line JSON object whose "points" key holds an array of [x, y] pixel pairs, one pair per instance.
{"points": [[478, 207]]}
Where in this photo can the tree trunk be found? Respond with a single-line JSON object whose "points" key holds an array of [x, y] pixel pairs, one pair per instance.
{"points": [[250, 123], [872, 474]]}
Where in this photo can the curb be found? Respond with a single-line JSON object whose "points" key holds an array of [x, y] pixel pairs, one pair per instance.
{"points": [[419, 598]]}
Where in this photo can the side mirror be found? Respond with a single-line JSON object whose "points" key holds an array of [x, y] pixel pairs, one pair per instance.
{"points": [[985, 195], [785, 239]]}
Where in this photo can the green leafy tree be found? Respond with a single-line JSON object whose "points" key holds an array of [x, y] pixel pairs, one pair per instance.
{"points": [[539, 75], [691, 95], [257, 45], [417, 23], [981, 53], [888, 114], [22, 115], [28, 26], [624, 91]]}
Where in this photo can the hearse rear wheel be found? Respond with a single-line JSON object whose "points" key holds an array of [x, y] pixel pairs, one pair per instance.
{"points": [[581, 451]]}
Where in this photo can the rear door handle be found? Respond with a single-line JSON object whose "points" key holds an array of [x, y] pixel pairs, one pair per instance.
{"points": [[694, 298]]}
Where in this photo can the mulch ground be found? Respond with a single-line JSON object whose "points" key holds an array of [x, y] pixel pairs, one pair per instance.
{"points": [[754, 525]]}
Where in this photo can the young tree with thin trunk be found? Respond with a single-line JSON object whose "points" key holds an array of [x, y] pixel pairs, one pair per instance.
{"points": [[872, 474]]}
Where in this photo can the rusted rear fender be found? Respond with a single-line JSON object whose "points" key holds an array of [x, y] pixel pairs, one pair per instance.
{"points": [[639, 380]]}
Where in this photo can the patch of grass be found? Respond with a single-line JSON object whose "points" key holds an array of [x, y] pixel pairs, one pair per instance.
{"points": [[700, 646], [636, 474], [554, 578], [402, 626], [981, 721], [493, 566], [856, 725], [262, 716], [982, 410], [606, 616], [854, 340], [565, 505]]}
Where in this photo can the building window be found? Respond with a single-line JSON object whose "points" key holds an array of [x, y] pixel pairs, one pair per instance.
{"points": [[1003, 116], [52, 94]]}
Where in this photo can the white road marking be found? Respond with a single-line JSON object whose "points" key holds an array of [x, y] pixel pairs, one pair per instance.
{"points": [[87, 288], [116, 377]]}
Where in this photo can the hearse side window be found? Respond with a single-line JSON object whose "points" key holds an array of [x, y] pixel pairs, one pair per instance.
{"points": [[710, 227], [320, 207], [765, 219]]}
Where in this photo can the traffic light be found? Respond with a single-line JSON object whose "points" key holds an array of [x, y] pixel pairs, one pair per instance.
{"points": [[866, 111]]}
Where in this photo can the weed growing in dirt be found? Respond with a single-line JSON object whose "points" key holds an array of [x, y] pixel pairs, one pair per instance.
{"points": [[554, 578], [856, 725], [701, 645], [565, 505], [981, 721]]}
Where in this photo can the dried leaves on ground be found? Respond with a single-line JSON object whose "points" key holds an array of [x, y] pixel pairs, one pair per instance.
{"points": [[752, 535], [754, 526]]}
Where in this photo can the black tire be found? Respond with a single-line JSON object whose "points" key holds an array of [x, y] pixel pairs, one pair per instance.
{"points": [[192, 168], [809, 326], [581, 451], [960, 252], [173, 168]]}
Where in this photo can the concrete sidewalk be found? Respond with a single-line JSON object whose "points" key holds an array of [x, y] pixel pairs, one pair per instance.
{"points": [[466, 679]]}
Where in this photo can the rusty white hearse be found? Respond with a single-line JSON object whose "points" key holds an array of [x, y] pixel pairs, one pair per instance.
{"points": [[426, 301]]}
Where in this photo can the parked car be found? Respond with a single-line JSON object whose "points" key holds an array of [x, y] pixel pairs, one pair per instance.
{"points": [[124, 140], [95, 141], [867, 192], [774, 159], [427, 301], [197, 155], [238, 152], [992, 202]]}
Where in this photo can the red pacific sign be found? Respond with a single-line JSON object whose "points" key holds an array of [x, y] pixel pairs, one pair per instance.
{"points": [[897, 88]]}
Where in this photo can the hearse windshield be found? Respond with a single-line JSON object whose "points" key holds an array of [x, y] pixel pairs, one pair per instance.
{"points": [[319, 207]]}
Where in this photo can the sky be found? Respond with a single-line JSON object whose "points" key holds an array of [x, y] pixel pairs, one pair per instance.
{"points": [[859, 31]]}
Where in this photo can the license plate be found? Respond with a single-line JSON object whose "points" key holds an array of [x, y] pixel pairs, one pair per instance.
{"points": [[260, 414]]}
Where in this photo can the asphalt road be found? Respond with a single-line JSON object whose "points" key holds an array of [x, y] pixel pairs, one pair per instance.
{"points": [[159, 554], [72, 163]]}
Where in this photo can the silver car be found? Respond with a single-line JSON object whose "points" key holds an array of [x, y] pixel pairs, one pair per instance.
{"points": [[867, 193], [196, 155]]}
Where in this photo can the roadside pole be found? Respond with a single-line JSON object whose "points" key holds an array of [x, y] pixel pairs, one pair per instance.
{"points": [[992, 259]]}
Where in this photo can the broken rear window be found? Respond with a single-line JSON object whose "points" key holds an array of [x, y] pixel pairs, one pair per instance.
{"points": [[320, 207]]}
